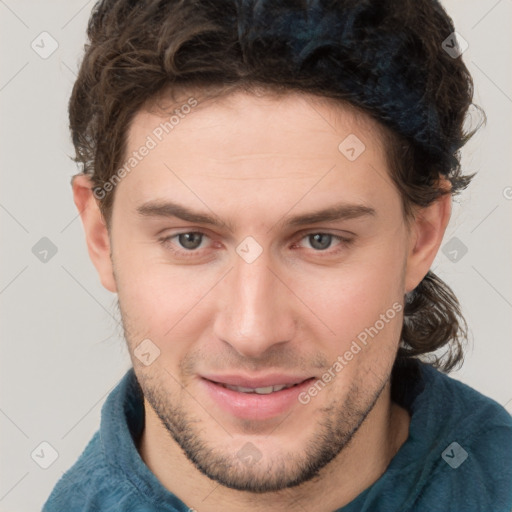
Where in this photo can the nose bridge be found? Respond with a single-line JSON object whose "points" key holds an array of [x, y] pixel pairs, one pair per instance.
{"points": [[256, 314]]}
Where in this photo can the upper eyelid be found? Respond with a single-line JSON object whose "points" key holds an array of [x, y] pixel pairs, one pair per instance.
{"points": [[298, 236], [302, 233]]}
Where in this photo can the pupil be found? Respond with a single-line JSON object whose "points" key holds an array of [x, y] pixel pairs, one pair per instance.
{"points": [[320, 241], [190, 240]]}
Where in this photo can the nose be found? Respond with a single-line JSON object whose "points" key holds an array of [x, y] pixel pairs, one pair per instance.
{"points": [[257, 310]]}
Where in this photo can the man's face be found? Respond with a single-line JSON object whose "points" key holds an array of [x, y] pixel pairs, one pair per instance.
{"points": [[257, 300]]}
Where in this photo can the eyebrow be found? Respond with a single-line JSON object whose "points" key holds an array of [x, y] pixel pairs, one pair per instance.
{"points": [[167, 209]]}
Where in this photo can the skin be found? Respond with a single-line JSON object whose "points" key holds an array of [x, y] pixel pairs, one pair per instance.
{"points": [[253, 162]]}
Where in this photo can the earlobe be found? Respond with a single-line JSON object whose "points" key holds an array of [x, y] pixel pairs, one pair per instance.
{"points": [[427, 231], [96, 233]]}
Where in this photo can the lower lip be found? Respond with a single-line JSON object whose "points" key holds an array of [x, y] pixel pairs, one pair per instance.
{"points": [[252, 406]]}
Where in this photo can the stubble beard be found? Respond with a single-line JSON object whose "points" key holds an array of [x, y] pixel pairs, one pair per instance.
{"points": [[337, 424]]}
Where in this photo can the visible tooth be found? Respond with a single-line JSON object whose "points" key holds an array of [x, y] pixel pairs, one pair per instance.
{"points": [[260, 391], [264, 391], [240, 389], [245, 390]]}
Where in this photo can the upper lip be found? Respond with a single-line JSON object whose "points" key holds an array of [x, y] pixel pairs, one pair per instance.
{"points": [[256, 382]]}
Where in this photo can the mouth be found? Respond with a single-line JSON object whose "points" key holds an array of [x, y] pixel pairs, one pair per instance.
{"points": [[259, 391], [255, 399]]}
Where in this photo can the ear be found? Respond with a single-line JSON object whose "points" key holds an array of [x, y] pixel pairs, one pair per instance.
{"points": [[426, 234], [96, 233]]}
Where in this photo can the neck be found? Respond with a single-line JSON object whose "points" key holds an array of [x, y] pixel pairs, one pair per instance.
{"points": [[357, 467]]}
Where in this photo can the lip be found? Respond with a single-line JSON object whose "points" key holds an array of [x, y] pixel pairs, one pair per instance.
{"points": [[276, 379], [252, 406]]}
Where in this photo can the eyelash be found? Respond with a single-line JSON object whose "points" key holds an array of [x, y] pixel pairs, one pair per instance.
{"points": [[183, 253]]}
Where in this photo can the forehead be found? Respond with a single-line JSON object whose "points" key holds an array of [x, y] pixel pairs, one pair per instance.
{"points": [[256, 149], [243, 123]]}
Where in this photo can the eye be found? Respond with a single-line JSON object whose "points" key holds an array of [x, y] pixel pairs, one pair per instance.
{"points": [[185, 242], [190, 241], [321, 242]]}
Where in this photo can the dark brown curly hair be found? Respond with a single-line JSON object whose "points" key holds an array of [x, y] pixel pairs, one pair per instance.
{"points": [[386, 58]]}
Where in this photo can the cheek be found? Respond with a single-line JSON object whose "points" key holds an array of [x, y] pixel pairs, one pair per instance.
{"points": [[161, 301], [350, 298]]}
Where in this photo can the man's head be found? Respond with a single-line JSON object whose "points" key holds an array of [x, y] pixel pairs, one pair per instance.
{"points": [[272, 183]]}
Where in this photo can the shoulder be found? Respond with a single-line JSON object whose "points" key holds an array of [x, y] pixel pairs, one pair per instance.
{"points": [[109, 475], [91, 484], [462, 407], [471, 452]]}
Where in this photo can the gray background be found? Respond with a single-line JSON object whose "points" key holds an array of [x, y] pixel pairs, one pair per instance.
{"points": [[62, 350]]}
